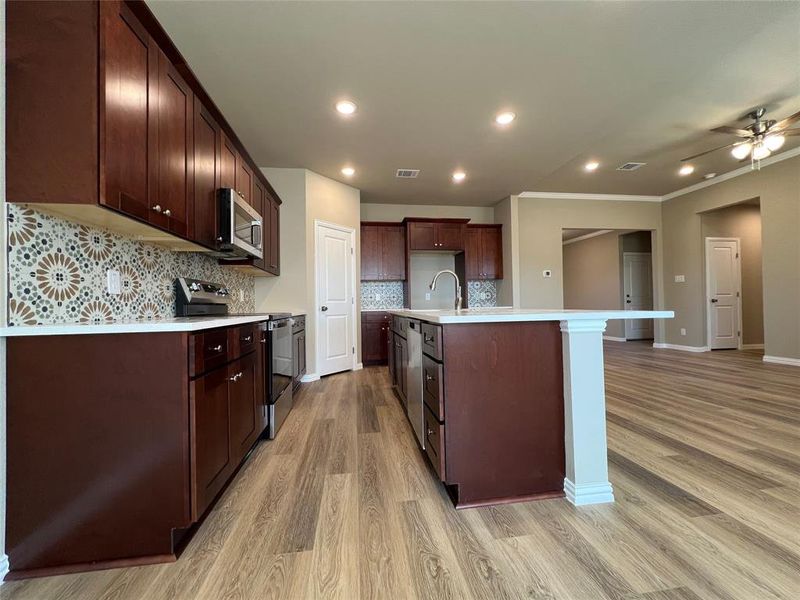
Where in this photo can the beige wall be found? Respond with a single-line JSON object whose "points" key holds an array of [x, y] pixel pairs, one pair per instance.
{"points": [[397, 212], [307, 197], [540, 246], [592, 276], [506, 212], [743, 221], [778, 188], [424, 265]]}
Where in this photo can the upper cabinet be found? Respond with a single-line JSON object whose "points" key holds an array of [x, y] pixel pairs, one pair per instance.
{"points": [[111, 117], [483, 254], [383, 252], [436, 234]]}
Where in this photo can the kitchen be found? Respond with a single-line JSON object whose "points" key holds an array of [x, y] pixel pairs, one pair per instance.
{"points": [[248, 353]]}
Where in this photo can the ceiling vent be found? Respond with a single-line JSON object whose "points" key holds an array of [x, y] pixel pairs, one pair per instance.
{"points": [[407, 173], [630, 166]]}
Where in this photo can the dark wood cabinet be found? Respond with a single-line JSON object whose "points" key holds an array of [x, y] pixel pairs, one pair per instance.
{"points": [[383, 252], [483, 254], [228, 159], [244, 417], [259, 199], [244, 180], [375, 330], [207, 146], [274, 264], [436, 234]]}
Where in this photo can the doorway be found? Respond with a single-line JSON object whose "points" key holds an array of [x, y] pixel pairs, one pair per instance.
{"points": [[723, 293], [335, 298], [637, 275]]}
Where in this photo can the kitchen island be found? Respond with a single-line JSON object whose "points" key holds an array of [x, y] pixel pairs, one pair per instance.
{"points": [[512, 401]]}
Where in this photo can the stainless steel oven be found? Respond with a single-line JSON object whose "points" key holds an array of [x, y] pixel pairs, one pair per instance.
{"points": [[241, 228], [278, 371]]}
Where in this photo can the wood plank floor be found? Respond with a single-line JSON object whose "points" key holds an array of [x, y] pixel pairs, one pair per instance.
{"points": [[704, 459]]}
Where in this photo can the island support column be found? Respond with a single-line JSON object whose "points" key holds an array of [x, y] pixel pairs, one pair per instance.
{"points": [[586, 453]]}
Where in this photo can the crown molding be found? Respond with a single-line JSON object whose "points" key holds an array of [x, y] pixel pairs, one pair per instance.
{"points": [[607, 197], [776, 158]]}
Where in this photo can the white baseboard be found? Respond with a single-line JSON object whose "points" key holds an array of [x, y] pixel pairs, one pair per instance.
{"points": [[782, 360], [661, 346], [309, 377], [593, 493], [3, 567], [611, 338], [358, 367], [752, 347]]}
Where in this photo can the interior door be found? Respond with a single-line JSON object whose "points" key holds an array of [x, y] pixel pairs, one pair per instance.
{"points": [[638, 289], [722, 291], [335, 295]]}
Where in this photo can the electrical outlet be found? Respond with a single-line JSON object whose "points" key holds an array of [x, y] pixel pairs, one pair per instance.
{"points": [[427, 295], [547, 273], [683, 331], [113, 282], [241, 295], [680, 278]]}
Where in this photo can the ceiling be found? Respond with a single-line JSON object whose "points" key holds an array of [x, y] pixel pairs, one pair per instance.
{"points": [[611, 81]]}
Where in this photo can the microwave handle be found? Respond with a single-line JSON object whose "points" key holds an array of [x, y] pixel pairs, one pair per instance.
{"points": [[256, 226]]}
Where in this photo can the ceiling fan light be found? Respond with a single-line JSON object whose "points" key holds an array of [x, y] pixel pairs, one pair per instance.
{"points": [[760, 152], [741, 151], [774, 142]]}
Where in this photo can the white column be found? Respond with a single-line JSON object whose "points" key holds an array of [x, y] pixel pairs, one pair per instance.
{"points": [[586, 480]]}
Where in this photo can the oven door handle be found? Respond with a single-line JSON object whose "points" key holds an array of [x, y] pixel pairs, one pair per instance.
{"points": [[279, 324]]}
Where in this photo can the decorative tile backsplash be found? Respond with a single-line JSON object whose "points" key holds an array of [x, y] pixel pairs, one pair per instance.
{"points": [[57, 274], [385, 295]]}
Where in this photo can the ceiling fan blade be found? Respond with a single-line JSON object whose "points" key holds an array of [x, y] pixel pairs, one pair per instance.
{"points": [[708, 151], [784, 123], [733, 130]]}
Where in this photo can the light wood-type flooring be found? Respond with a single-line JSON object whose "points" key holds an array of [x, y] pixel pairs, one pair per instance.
{"points": [[704, 457]]}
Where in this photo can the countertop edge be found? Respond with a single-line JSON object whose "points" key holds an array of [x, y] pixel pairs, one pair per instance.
{"points": [[522, 315]]}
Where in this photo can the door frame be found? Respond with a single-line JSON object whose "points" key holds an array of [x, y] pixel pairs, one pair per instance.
{"points": [[652, 289], [707, 295], [353, 289]]}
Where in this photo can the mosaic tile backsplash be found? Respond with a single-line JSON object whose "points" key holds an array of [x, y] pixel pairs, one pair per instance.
{"points": [[57, 274], [385, 295]]}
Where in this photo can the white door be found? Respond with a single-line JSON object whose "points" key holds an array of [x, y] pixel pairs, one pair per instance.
{"points": [[722, 292], [638, 290], [335, 298]]}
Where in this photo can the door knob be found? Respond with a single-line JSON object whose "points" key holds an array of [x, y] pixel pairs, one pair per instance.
{"points": [[627, 301], [324, 309], [714, 300]]}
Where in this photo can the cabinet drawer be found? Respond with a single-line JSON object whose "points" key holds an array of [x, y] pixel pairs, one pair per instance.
{"points": [[434, 443], [376, 317], [209, 350], [433, 386], [400, 325], [242, 340], [432, 340]]}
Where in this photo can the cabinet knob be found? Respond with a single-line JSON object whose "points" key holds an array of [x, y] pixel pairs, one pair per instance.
{"points": [[168, 212], [428, 377], [157, 208], [430, 432], [247, 339], [217, 348]]}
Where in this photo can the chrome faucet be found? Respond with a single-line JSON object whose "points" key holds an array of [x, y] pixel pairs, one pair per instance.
{"points": [[458, 285]]}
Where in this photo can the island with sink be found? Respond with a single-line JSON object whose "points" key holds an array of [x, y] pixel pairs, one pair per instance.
{"points": [[508, 404]]}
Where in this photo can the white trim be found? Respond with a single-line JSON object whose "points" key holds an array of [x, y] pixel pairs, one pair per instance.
{"points": [[586, 236], [588, 493], [738, 288], [354, 286], [3, 567], [606, 197], [611, 338], [309, 377], [731, 174], [661, 346], [751, 347], [358, 367], [782, 360]]}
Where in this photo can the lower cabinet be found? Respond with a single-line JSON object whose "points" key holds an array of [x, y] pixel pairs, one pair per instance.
{"points": [[375, 329], [244, 405]]}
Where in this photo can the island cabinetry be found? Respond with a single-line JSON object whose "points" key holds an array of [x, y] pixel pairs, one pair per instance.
{"points": [[400, 357]]}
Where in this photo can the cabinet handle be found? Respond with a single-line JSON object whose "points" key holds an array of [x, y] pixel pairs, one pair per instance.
{"points": [[216, 348], [157, 208], [427, 338], [429, 377], [168, 212], [263, 340], [430, 432], [247, 339], [236, 377]]}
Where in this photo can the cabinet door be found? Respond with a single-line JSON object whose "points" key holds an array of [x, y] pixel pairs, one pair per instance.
{"points": [[370, 253], [390, 352], [243, 405], [228, 156], [174, 157], [491, 253], [259, 198], [393, 253], [422, 236], [274, 266], [450, 236], [210, 444], [383, 341], [244, 179], [370, 341], [207, 141], [472, 253], [128, 123]]}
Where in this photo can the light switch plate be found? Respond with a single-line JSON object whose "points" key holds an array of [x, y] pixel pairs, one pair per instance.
{"points": [[680, 278], [427, 295], [113, 282], [683, 331]]}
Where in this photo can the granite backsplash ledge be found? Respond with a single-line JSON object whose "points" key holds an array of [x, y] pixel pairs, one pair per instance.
{"points": [[57, 273], [388, 295]]}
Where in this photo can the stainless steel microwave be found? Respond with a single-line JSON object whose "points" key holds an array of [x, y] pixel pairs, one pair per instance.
{"points": [[241, 228]]}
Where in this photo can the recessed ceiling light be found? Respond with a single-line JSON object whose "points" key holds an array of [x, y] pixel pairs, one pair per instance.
{"points": [[686, 170], [591, 165], [504, 118], [709, 176], [346, 107], [348, 171], [459, 176]]}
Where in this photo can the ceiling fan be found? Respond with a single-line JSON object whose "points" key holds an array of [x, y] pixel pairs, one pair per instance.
{"points": [[757, 140]]}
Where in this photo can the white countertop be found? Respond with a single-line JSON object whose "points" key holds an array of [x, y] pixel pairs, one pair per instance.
{"points": [[163, 325], [511, 315]]}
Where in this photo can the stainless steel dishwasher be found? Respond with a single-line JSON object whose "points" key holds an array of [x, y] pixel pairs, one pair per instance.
{"points": [[414, 380]]}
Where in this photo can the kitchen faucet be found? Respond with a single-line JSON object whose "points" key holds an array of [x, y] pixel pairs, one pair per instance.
{"points": [[458, 285]]}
